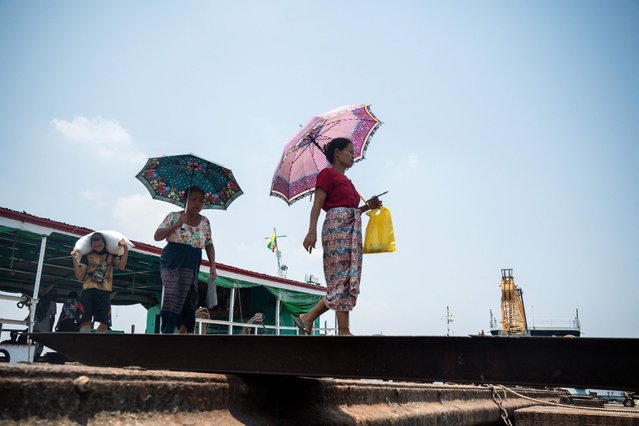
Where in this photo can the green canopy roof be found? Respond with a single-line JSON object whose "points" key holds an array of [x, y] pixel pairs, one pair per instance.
{"points": [[139, 283], [19, 256]]}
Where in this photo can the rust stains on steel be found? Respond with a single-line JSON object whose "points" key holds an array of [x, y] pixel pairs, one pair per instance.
{"points": [[537, 361]]}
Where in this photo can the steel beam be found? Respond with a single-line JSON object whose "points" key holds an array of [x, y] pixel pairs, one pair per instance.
{"points": [[534, 361]]}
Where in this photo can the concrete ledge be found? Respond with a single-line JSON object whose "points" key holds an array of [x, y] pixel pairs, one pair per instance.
{"points": [[540, 415], [76, 394]]}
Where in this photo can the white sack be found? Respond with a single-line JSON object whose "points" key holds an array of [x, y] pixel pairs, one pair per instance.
{"points": [[83, 245]]}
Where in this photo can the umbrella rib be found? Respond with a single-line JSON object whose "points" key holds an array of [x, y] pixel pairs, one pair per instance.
{"points": [[315, 161]]}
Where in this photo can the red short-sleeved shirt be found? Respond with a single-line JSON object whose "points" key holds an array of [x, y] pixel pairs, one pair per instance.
{"points": [[340, 191]]}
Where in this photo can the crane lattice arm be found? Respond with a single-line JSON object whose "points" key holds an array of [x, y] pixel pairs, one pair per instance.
{"points": [[513, 313]]}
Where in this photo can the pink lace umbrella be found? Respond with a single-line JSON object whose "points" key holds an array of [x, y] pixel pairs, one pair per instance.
{"points": [[303, 158]]}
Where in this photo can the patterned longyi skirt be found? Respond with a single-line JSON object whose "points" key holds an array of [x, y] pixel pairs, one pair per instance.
{"points": [[342, 244]]}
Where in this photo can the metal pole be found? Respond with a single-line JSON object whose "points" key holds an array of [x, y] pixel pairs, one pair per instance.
{"points": [[533, 315], [278, 302], [231, 309], [36, 290], [278, 255], [36, 287]]}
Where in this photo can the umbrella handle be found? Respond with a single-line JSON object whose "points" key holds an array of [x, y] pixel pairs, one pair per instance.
{"points": [[365, 202], [376, 196], [186, 205]]}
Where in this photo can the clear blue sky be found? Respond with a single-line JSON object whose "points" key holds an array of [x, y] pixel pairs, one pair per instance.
{"points": [[510, 138]]}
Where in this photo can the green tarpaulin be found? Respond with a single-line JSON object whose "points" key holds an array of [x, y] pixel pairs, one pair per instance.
{"points": [[20, 232], [294, 302]]}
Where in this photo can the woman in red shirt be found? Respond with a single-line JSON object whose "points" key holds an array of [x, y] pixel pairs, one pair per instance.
{"points": [[341, 237]]}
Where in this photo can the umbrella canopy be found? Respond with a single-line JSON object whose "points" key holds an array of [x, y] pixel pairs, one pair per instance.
{"points": [[167, 178], [303, 157]]}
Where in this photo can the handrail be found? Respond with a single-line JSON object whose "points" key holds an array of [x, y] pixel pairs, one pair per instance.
{"points": [[15, 298], [12, 321], [202, 321]]}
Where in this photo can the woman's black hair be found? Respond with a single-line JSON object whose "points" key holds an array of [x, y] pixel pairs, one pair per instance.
{"points": [[192, 188], [337, 143]]}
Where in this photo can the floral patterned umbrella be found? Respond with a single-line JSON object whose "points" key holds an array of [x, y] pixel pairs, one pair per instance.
{"points": [[167, 178], [303, 156]]}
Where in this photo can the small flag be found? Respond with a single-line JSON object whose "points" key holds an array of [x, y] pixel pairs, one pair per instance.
{"points": [[272, 243]]}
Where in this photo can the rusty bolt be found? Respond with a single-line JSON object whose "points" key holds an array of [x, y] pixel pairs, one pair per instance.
{"points": [[82, 383]]}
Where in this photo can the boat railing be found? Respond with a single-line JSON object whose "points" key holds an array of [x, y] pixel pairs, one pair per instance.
{"points": [[327, 331], [22, 301], [547, 323]]}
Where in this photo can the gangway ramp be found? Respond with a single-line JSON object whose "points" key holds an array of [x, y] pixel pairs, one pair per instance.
{"points": [[603, 363]]}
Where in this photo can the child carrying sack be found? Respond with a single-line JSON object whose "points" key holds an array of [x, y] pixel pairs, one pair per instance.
{"points": [[380, 237]]}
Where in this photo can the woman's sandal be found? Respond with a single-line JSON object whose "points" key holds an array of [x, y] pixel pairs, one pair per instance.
{"points": [[300, 325]]}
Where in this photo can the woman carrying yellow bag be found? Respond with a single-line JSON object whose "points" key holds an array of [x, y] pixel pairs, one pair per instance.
{"points": [[341, 237]]}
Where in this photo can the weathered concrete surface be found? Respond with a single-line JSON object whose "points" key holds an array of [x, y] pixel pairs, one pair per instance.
{"points": [[560, 416], [74, 394]]}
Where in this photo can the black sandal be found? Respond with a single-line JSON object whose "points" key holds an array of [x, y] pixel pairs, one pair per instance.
{"points": [[298, 322]]}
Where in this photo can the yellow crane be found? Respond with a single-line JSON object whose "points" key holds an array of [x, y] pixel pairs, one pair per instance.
{"points": [[513, 313]]}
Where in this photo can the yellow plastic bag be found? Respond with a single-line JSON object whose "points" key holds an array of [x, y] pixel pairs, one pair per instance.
{"points": [[380, 237]]}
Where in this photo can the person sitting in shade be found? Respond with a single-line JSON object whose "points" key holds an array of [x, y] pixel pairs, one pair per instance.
{"points": [[69, 320], [45, 312]]}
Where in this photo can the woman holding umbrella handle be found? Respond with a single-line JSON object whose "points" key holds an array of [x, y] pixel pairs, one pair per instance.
{"points": [[187, 233], [341, 237]]}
